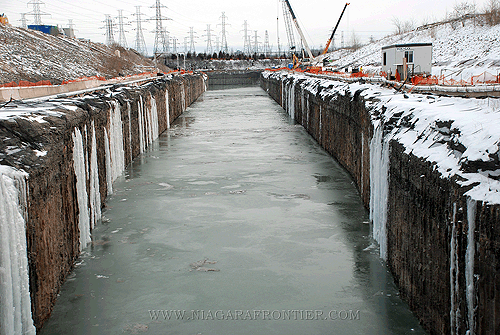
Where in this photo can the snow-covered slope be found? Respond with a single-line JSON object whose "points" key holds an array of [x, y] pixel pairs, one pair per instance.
{"points": [[465, 50], [34, 56]]}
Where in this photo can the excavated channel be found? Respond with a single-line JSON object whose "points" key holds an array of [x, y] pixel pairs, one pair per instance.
{"points": [[234, 222]]}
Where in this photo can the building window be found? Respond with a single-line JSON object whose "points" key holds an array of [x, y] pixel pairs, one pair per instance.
{"points": [[384, 59], [409, 56]]}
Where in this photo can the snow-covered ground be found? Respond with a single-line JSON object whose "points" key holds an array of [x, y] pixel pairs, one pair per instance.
{"points": [[459, 52]]}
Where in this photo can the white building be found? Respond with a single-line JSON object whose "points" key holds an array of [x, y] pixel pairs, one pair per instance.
{"points": [[407, 59]]}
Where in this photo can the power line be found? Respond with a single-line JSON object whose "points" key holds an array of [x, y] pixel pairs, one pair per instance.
{"points": [[246, 39], [224, 39], [121, 31], [209, 49], [140, 44], [160, 38], [110, 27], [37, 14], [192, 48]]}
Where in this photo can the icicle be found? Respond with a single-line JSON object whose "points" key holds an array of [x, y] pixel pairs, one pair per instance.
{"points": [[469, 265], [320, 125], [109, 179], [167, 108], [130, 131], [454, 313], [379, 187], [362, 161], [183, 98], [116, 151], [291, 100], [141, 125], [15, 301], [81, 188], [154, 118], [95, 194]]}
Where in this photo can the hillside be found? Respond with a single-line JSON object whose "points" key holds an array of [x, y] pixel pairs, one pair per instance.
{"points": [[34, 56], [464, 51]]}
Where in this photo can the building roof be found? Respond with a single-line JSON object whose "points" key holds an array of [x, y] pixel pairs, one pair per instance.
{"points": [[409, 45]]}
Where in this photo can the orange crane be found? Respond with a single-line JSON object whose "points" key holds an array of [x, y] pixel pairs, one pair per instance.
{"points": [[3, 19], [334, 30]]}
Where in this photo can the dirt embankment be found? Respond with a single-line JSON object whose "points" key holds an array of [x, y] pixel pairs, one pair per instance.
{"points": [[34, 56]]}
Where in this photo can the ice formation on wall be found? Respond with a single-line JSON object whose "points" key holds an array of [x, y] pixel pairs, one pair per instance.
{"points": [[167, 108], [81, 188], [454, 279], [290, 99], [379, 186], [113, 141], [183, 98], [95, 194], [129, 112], [15, 302], [469, 265]]}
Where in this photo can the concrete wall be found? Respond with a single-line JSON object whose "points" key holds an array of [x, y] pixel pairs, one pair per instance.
{"points": [[428, 217], [54, 215], [233, 78]]}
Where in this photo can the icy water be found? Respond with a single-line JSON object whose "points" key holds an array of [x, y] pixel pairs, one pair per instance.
{"points": [[234, 222]]}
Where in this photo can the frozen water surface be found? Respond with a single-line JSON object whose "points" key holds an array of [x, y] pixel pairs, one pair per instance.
{"points": [[234, 222]]}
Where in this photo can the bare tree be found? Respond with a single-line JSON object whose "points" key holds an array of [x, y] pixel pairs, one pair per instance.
{"points": [[492, 12], [355, 41], [402, 27], [463, 10]]}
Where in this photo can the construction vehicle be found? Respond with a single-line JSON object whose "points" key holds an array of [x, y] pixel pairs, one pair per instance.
{"points": [[294, 18], [334, 30], [4, 20]]}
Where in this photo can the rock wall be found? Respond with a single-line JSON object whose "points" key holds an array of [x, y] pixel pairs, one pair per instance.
{"points": [[72, 150], [442, 247]]}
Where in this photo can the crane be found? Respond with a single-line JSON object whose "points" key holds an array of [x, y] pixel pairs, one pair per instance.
{"points": [[294, 18], [334, 30]]}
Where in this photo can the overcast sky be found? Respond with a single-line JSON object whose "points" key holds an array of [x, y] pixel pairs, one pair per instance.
{"points": [[317, 18]]}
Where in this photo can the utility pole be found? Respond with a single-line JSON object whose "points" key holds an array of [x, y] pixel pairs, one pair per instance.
{"points": [[37, 14], [192, 47], [209, 50], [121, 31], [267, 47], [23, 21], [140, 44], [278, 30], [160, 40], [224, 39], [246, 39], [109, 27]]}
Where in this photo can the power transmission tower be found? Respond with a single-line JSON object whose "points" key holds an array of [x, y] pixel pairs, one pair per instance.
{"points": [[167, 40], [121, 31], [256, 43], [267, 47], [37, 14], [140, 44], [209, 49], [288, 25], [174, 44], [217, 44], [109, 27], [246, 39], [23, 21], [186, 44], [224, 39], [192, 48], [160, 38]]}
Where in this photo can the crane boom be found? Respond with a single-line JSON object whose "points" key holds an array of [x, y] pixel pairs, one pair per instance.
{"points": [[309, 53], [334, 30]]}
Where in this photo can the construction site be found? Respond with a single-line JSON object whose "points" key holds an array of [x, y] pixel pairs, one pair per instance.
{"points": [[248, 186]]}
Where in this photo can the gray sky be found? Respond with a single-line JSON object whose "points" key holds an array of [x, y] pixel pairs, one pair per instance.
{"points": [[317, 18]]}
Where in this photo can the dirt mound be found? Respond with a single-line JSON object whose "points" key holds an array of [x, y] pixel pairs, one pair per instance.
{"points": [[34, 56]]}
